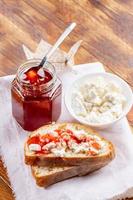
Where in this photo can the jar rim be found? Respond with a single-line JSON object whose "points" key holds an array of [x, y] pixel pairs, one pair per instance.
{"points": [[37, 61]]}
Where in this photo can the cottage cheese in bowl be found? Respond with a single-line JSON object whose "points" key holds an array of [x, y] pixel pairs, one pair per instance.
{"points": [[99, 99]]}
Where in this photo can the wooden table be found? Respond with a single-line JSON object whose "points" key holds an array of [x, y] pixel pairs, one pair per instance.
{"points": [[105, 26]]}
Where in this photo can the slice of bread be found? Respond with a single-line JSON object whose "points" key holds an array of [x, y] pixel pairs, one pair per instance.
{"points": [[46, 176], [83, 147]]}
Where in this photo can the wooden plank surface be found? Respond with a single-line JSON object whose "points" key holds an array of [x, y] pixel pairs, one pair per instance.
{"points": [[105, 26]]}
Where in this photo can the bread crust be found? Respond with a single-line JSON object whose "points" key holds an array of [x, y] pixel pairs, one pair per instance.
{"points": [[50, 160], [49, 179]]}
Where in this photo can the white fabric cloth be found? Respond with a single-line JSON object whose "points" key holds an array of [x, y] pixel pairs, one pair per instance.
{"points": [[110, 181]]}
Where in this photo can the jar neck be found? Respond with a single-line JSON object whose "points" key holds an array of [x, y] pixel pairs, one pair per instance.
{"points": [[35, 90]]}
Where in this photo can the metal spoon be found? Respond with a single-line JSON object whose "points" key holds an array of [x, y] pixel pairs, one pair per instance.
{"points": [[58, 42]]}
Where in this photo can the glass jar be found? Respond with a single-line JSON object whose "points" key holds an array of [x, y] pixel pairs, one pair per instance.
{"points": [[36, 100]]}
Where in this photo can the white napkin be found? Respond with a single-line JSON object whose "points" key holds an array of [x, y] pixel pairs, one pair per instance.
{"points": [[107, 183], [59, 58]]}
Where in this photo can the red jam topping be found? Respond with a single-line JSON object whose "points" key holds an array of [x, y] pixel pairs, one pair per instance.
{"points": [[63, 136]]}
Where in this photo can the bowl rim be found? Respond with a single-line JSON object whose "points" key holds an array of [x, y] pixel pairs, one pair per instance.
{"points": [[107, 74]]}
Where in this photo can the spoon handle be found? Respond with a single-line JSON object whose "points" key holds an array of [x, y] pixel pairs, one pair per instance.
{"points": [[60, 39]]}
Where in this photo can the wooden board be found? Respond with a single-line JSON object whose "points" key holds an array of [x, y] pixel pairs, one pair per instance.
{"points": [[105, 26]]}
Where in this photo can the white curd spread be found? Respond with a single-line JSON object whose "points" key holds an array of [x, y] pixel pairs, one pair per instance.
{"points": [[98, 101]]}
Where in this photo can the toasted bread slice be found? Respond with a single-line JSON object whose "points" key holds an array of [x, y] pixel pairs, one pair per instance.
{"points": [[46, 176], [67, 144]]}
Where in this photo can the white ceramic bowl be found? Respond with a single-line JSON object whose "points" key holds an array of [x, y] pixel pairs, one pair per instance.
{"points": [[126, 90]]}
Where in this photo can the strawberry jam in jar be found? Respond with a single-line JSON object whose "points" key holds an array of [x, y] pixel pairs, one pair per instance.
{"points": [[36, 95]]}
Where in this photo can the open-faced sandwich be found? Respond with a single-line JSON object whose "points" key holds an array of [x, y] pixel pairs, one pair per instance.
{"points": [[60, 151]]}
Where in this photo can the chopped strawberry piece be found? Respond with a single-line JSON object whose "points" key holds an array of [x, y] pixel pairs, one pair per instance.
{"points": [[59, 131], [33, 140], [32, 76], [96, 145]]}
